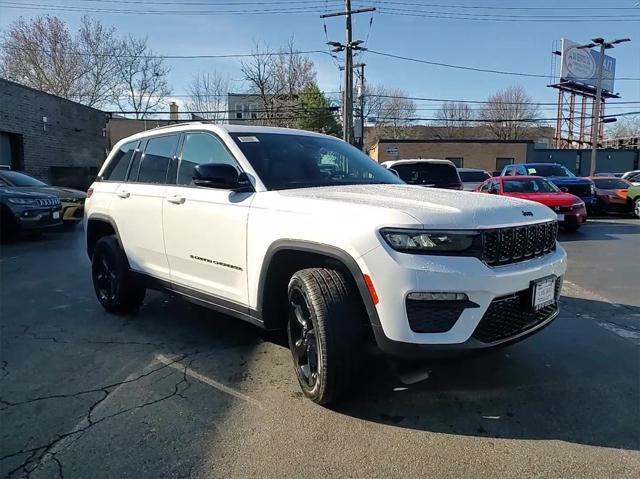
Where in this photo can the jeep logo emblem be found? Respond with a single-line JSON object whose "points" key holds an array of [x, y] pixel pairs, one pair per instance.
{"points": [[527, 213]]}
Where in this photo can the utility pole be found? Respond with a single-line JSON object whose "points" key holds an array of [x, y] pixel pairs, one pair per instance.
{"points": [[362, 93], [348, 48], [595, 122]]}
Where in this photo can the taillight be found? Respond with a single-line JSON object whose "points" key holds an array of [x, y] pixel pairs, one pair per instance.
{"points": [[90, 192]]}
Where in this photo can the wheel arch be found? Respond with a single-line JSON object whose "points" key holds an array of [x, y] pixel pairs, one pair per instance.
{"points": [[285, 257], [98, 226]]}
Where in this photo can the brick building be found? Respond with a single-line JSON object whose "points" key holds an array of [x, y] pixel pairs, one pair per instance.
{"points": [[56, 140], [468, 153]]}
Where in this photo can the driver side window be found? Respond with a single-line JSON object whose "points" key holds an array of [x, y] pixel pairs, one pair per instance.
{"points": [[201, 148]]}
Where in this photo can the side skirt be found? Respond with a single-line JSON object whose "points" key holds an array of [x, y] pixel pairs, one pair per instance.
{"points": [[201, 298]]}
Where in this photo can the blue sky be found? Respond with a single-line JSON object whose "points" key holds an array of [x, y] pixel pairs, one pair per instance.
{"points": [[513, 45]]}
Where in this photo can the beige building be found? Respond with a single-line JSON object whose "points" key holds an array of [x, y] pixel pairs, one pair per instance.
{"points": [[485, 154]]}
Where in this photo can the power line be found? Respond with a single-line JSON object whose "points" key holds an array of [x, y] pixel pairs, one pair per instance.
{"points": [[497, 18], [476, 69], [492, 7], [72, 8]]}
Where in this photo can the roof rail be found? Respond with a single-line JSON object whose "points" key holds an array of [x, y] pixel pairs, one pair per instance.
{"points": [[179, 123]]}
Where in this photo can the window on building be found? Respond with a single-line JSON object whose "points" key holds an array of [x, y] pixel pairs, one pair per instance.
{"points": [[502, 162], [118, 166], [156, 159], [200, 149], [458, 161]]}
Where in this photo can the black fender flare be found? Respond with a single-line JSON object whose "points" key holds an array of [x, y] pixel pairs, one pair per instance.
{"points": [[105, 219], [332, 252]]}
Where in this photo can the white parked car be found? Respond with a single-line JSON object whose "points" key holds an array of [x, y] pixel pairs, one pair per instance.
{"points": [[472, 178], [632, 176], [302, 232]]}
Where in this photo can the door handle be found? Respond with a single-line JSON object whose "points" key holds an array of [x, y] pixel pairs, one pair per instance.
{"points": [[123, 194], [176, 200]]}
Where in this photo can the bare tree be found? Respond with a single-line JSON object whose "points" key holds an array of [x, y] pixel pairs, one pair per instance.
{"points": [[391, 111], [44, 55], [454, 117], [510, 114], [626, 127], [36, 53], [142, 86], [208, 96], [277, 78]]}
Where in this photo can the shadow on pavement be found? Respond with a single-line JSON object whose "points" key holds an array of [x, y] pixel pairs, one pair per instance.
{"points": [[572, 382], [609, 230]]}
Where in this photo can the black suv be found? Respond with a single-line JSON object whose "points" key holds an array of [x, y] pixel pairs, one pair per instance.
{"points": [[24, 211]]}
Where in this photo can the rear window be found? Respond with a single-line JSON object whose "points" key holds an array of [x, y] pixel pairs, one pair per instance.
{"points": [[529, 185], [157, 156], [611, 184], [474, 176], [427, 173], [118, 166]]}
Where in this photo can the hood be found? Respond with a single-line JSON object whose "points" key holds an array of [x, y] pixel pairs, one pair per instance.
{"points": [[59, 191], [429, 207], [548, 199], [14, 192], [569, 180]]}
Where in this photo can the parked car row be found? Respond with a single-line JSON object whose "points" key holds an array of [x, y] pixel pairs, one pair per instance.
{"points": [[28, 204]]}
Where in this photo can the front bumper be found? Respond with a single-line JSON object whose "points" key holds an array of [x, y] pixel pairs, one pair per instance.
{"points": [[395, 275], [38, 218]]}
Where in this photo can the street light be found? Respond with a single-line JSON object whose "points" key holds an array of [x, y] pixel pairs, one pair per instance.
{"points": [[595, 127]]}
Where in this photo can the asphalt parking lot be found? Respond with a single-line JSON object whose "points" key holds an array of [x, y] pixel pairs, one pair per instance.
{"points": [[178, 391]]}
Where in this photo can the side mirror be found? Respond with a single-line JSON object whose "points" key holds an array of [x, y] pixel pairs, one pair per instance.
{"points": [[565, 189], [221, 176], [493, 191]]}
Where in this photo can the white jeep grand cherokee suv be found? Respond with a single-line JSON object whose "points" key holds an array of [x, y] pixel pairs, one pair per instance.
{"points": [[294, 230]]}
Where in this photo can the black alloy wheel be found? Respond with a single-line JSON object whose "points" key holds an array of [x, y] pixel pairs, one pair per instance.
{"points": [[304, 341]]}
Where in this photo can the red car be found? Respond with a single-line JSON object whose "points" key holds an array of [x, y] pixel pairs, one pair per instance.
{"points": [[570, 209]]}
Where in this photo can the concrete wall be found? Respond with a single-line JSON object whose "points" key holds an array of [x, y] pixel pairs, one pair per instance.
{"points": [[71, 145], [475, 154]]}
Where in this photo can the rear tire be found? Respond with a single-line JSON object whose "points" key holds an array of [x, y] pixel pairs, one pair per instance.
{"points": [[116, 290], [326, 332]]}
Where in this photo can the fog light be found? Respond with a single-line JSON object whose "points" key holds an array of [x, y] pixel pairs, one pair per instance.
{"points": [[438, 296]]}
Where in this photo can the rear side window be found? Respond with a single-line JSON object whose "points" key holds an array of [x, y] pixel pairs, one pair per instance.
{"points": [[118, 166], [156, 159]]}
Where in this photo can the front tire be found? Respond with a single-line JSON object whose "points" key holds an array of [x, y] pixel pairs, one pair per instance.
{"points": [[117, 292], [325, 332], [636, 207], [571, 228]]}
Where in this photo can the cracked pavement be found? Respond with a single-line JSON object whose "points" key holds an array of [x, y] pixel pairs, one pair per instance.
{"points": [[179, 391]]}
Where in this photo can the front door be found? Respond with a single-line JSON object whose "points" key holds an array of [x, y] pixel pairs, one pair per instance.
{"points": [[205, 229]]}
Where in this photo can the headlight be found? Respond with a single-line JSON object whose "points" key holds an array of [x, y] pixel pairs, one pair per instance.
{"points": [[432, 242], [23, 201], [593, 189]]}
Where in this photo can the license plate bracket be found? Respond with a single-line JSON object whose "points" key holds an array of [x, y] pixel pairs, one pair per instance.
{"points": [[542, 292]]}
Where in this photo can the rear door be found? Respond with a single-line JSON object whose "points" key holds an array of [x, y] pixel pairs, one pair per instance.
{"points": [[205, 229], [138, 202]]}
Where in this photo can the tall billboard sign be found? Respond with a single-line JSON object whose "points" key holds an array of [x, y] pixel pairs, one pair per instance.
{"points": [[579, 66]]}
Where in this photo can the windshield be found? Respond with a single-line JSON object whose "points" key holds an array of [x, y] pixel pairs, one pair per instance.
{"points": [[474, 176], [285, 161], [548, 170], [427, 173], [15, 178], [611, 184], [529, 185]]}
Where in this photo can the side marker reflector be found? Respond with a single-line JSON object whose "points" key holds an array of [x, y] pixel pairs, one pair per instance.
{"points": [[372, 290]]}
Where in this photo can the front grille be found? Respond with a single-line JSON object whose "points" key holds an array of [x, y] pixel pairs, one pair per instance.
{"points": [[511, 245], [48, 201], [509, 316], [579, 190], [433, 316]]}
